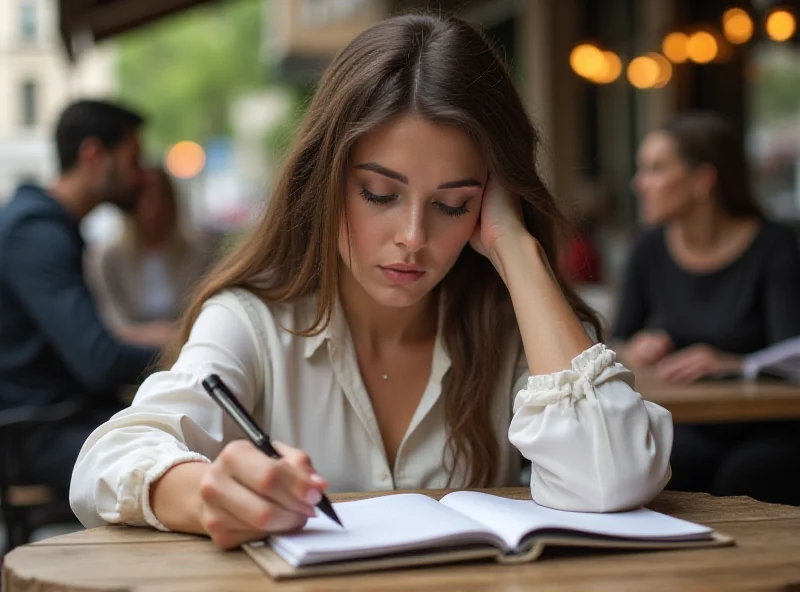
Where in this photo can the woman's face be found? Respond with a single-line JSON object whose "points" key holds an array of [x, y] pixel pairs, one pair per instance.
{"points": [[666, 187], [155, 215], [414, 194]]}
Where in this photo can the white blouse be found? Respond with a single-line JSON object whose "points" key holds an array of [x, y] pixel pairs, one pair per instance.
{"points": [[594, 444]]}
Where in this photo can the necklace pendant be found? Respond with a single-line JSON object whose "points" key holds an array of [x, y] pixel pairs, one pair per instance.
{"points": [[385, 376]]}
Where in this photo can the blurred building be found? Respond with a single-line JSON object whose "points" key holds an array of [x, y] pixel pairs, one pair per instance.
{"points": [[591, 128], [747, 68], [36, 82]]}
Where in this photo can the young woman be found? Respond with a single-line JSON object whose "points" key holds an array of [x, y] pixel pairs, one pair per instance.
{"points": [[396, 296], [142, 280], [712, 282]]}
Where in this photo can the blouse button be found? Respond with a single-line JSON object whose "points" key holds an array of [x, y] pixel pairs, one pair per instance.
{"points": [[384, 476]]}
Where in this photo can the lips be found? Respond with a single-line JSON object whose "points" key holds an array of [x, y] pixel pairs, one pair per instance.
{"points": [[403, 267], [402, 273]]}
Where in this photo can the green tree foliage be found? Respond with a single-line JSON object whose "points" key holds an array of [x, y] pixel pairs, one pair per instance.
{"points": [[184, 72], [777, 87]]}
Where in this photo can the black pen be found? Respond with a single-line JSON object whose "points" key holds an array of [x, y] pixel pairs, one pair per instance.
{"points": [[231, 405]]}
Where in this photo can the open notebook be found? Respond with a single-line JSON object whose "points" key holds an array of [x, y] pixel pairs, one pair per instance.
{"points": [[413, 529]]}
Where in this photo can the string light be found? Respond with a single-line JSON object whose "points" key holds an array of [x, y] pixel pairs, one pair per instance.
{"points": [[737, 26], [643, 72], [674, 47], [702, 47], [664, 69], [612, 68], [780, 25], [587, 60]]}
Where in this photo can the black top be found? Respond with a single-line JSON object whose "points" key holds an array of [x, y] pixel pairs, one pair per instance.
{"points": [[53, 345], [746, 305]]}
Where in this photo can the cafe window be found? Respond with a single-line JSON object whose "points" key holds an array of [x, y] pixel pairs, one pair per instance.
{"points": [[29, 99], [28, 23], [773, 138]]}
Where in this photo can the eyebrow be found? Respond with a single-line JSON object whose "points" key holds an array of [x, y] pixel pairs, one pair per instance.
{"points": [[382, 170]]}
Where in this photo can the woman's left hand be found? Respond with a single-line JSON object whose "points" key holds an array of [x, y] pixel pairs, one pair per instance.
{"points": [[501, 217], [696, 362]]}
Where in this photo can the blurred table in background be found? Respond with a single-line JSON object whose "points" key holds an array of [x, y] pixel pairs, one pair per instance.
{"points": [[723, 400]]}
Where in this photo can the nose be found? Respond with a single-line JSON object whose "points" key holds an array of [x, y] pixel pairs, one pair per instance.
{"points": [[411, 232]]}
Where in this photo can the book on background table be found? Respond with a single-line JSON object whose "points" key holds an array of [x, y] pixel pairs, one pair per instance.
{"points": [[781, 360], [412, 529]]}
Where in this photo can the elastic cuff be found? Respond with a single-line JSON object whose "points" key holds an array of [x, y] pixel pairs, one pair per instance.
{"points": [[133, 504], [545, 389]]}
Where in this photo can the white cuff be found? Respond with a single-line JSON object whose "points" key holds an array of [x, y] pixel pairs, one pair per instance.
{"points": [[133, 493], [570, 385]]}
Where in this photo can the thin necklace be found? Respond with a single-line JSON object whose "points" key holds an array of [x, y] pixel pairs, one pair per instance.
{"points": [[385, 376]]}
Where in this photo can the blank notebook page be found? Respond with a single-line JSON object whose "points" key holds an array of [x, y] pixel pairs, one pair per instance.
{"points": [[513, 519], [377, 526]]}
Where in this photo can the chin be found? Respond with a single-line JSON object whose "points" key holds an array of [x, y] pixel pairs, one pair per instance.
{"points": [[397, 297], [651, 218]]}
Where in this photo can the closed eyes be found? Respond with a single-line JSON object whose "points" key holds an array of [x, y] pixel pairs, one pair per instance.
{"points": [[379, 199]]}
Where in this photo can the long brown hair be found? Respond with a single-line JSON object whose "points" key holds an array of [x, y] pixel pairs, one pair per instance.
{"points": [[442, 69], [708, 138]]}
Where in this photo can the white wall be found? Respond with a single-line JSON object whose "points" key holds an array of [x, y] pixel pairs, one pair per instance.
{"points": [[28, 151]]}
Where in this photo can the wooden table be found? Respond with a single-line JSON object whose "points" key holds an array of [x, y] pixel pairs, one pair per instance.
{"points": [[766, 557], [723, 400]]}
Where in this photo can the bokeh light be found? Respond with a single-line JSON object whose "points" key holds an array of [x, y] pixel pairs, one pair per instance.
{"points": [[185, 160], [780, 25], [674, 47], [587, 60], [702, 47], [612, 68], [737, 26], [643, 72], [664, 69]]}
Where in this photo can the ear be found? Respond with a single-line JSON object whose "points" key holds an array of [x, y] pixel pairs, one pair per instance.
{"points": [[704, 180], [90, 152]]}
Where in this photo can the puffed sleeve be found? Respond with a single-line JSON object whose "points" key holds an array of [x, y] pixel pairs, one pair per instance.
{"points": [[594, 444], [171, 420]]}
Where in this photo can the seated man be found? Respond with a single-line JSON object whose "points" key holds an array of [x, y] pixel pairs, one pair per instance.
{"points": [[53, 345]]}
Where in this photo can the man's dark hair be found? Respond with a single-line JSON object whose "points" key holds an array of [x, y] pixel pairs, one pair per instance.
{"points": [[81, 120]]}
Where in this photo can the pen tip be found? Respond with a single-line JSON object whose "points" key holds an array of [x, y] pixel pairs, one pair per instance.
{"points": [[327, 508]]}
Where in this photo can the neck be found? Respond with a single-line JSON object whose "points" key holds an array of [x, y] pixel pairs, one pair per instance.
{"points": [[704, 229], [72, 194], [378, 326]]}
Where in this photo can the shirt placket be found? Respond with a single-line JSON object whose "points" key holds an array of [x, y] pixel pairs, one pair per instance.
{"points": [[345, 368]]}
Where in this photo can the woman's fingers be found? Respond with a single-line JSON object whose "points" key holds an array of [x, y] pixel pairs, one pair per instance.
{"points": [[250, 509], [227, 531], [301, 460], [246, 494], [682, 369], [276, 480]]}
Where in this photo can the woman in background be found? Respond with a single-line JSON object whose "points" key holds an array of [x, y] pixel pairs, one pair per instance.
{"points": [[142, 279], [712, 282]]}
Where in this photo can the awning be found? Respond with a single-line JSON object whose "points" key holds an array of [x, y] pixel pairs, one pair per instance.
{"points": [[95, 20]]}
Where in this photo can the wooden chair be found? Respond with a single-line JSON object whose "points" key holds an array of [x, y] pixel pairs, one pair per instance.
{"points": [[27, 505]]}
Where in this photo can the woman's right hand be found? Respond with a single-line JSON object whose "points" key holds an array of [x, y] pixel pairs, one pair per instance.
{"points": [[647, 348], [245, 495]]}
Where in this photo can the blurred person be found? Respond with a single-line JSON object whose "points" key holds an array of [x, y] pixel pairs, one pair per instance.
{"points": [[581, 261], [374, 320], [53, 345], [712, 282], [142, 279]]}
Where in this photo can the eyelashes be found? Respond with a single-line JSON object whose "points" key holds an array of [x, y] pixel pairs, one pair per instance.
{"points": [[377, 199]]}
